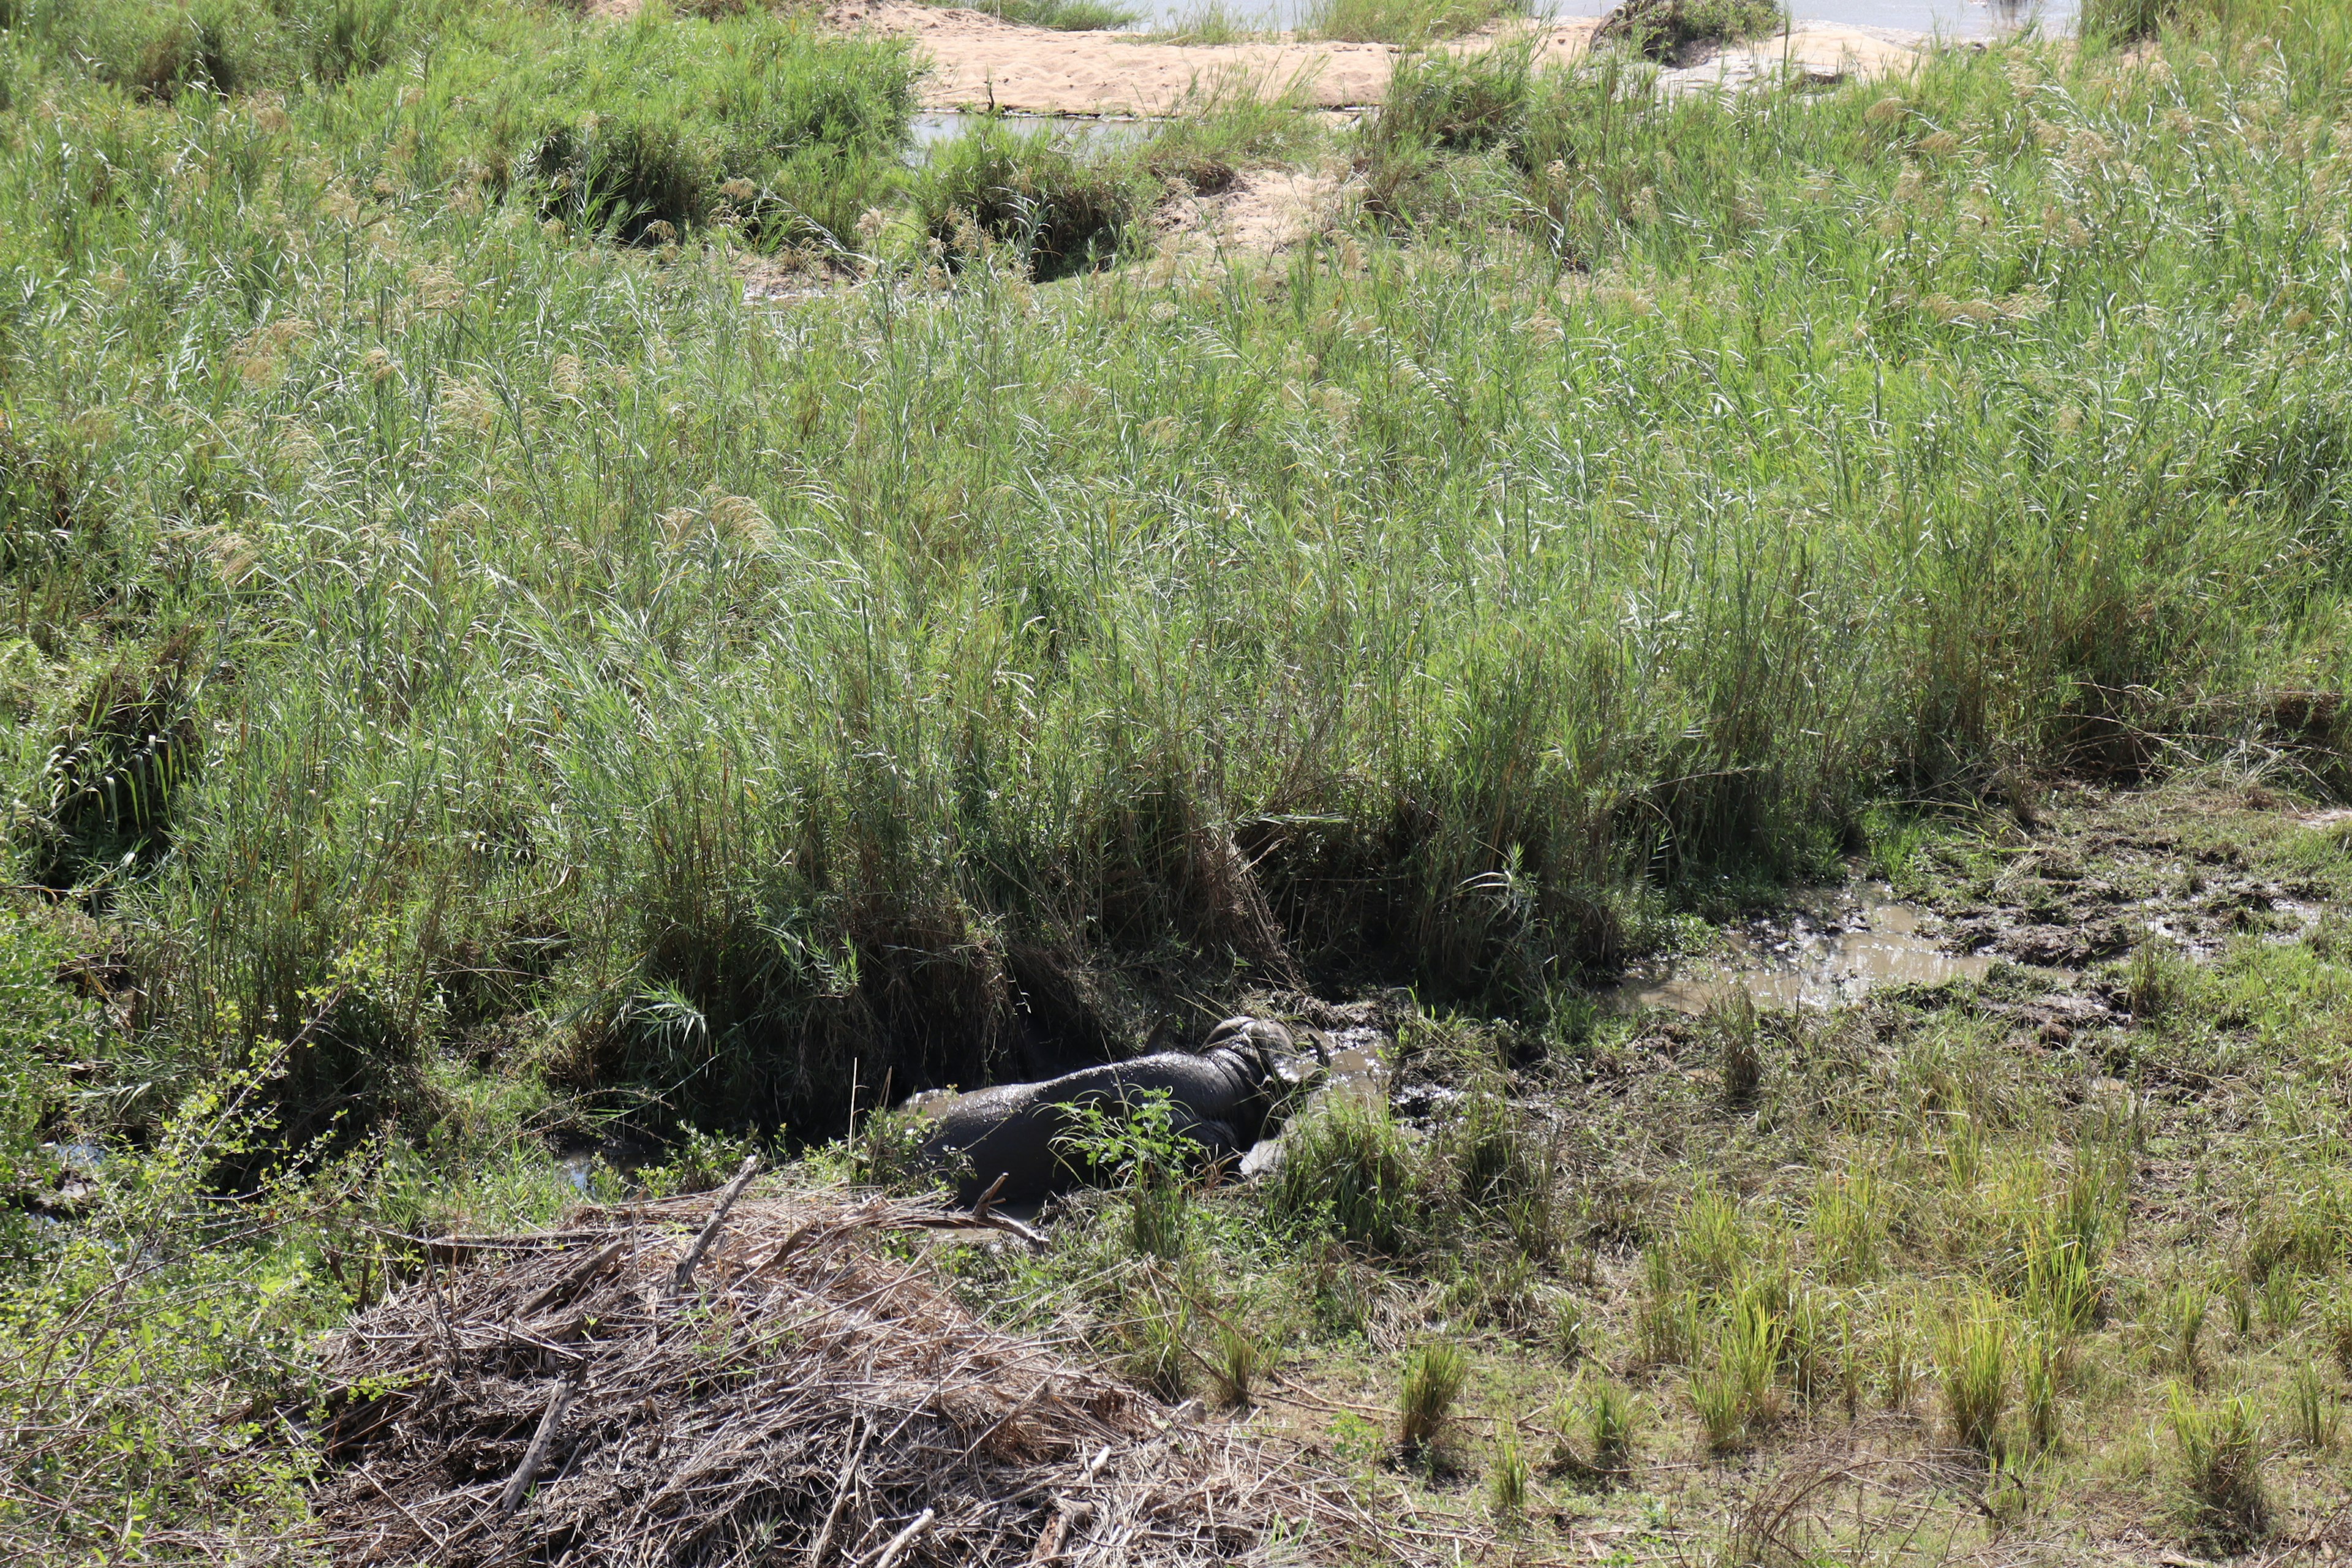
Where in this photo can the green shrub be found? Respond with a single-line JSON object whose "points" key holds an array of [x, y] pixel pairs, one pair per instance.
{"points": [[1668, 29], [1059, 211]]}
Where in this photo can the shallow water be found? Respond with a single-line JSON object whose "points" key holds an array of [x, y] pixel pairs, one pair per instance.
{"points": [[1831, 952], [1946, 18]]}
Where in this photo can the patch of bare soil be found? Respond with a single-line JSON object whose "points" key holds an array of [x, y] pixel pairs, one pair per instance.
{"points": [[982, 62], [1264, 212]]}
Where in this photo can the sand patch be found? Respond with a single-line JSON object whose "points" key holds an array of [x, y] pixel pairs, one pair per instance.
{"points": [[982, 62]]}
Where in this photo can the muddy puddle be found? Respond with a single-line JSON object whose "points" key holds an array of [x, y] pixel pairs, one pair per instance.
{"points": [[1834, 949]]}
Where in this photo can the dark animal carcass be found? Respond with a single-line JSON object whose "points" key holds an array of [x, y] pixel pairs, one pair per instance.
{"points": [[1222, 1099]]}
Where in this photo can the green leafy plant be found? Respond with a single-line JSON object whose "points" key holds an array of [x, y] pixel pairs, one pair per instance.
{"points": [[1134, 1145]]}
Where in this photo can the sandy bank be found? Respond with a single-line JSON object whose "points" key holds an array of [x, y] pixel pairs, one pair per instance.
{"points": [[979, 60]]}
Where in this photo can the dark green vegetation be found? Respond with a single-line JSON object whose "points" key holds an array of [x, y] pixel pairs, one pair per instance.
{"points": [[1672, 29], [471, 678]]}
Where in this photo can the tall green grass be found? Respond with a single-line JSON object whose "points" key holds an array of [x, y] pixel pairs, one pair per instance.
{"points": [[672, 701]]}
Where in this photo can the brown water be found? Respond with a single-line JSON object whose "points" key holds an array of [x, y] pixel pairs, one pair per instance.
{"points": [[1832, 950]]}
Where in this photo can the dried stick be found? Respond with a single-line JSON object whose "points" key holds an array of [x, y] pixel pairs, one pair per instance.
{"points": [[573, 1277], [841, 1492], [693, 1258], [519, 1485], [904, 1538]]}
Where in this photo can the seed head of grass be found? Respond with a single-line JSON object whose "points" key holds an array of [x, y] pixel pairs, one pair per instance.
{"points": [[1434, 1377]]}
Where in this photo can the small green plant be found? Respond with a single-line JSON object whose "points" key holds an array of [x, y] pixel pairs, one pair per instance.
{"points": [[1134, 1144], [2225, 1507], [1972, 1364], [2313, 1410], [1237, 1360], [1348, 1166], [2281, 1297], [1849, 1226], [2184, 1328], [1511, 1473], [2038, 1376], [1434, 1377], [1739, 1056]]}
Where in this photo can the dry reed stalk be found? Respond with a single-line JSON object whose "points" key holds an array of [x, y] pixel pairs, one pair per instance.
{"points": [[812, 1397]]}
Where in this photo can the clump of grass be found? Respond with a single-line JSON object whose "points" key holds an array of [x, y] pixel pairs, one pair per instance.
{"points": [[1346, 1166], [2038, 1376], [2313, 1413], [2183, 1327], [1063, 15], [2335, 1328], [2225, 1504], [2282, 1297], [1509, 1482], [1734, 1392], [1056, 210], [1406, 23], [1434, 1377], [1740, 1054], [2238, 1300], [1156, 1356], [1609, 1418], [1237, 1360], [1675, 29], [1848, 1222], [1213, 23], [1972, 1358], [2155, 979]]}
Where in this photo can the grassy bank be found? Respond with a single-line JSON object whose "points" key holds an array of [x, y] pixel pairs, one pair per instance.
{"points": [[448, 630]]}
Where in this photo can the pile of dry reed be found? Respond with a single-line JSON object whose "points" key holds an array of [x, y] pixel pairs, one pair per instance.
{"points": [[685, 1386]]}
